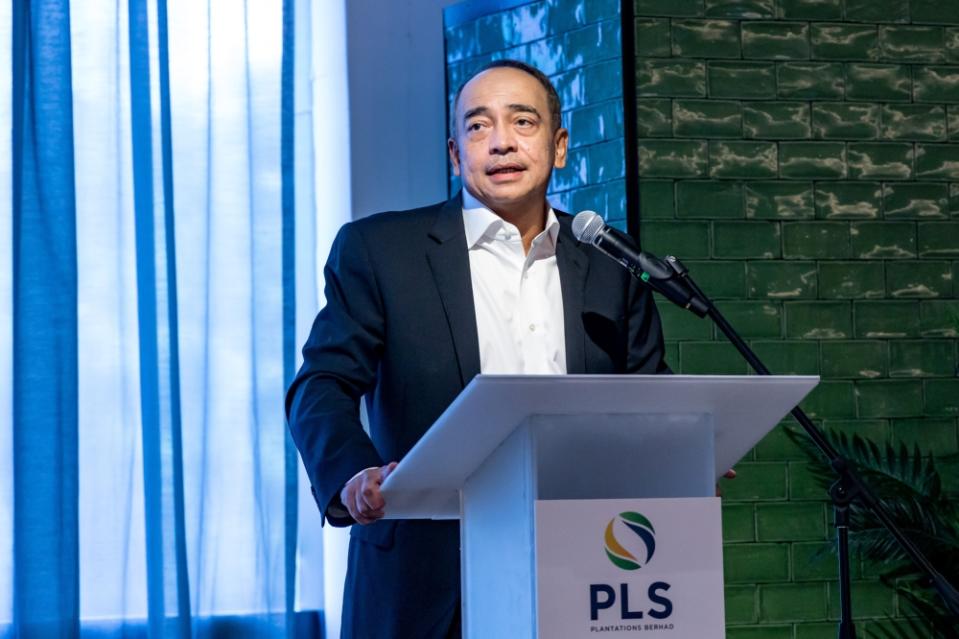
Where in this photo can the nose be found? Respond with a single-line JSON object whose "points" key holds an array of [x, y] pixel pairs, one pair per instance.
{"points": [[502, 140]]}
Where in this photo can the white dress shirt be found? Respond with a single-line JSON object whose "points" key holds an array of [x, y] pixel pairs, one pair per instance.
{"points": [[517, 296]]}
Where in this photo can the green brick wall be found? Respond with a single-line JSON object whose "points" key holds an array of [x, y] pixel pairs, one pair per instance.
{"points": [[802, 157]]}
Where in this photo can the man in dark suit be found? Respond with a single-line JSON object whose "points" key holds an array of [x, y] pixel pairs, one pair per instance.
{"points": [[417, 304]]}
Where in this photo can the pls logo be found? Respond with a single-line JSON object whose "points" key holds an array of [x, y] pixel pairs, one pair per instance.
{"points": [[640, 530]]}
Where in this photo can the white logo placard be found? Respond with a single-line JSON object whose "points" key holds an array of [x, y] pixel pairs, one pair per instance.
{"points": [[629, 567]]}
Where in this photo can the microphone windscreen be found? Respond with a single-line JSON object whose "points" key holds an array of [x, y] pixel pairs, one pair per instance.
{"points": [[587, 225]]}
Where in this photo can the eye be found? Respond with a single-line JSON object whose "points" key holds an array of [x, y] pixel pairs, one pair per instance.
{"points": [[474, 126]]}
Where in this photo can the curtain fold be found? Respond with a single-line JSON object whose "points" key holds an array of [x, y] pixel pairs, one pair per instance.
{"points": [[45, 368], [149, 274]]}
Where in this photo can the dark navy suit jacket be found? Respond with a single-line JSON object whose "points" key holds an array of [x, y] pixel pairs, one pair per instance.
{"points": [[399, 327]]}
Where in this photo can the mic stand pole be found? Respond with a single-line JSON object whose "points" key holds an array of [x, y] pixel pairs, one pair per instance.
{"points": [[848, 487]]}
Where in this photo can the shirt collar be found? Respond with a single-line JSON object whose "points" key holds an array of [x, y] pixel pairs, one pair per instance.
{"points": [[480, 221]]}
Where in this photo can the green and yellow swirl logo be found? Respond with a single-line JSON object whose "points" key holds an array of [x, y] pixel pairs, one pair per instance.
{"points": [[642, 528]]}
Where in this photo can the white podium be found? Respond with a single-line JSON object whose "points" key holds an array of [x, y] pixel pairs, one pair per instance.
{"points": [[554, 479]]}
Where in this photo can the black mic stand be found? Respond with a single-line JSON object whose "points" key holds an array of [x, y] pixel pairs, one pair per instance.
{"points": [[848, 487]]}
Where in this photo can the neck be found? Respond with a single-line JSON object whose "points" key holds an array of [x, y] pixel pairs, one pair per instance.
{"points": [[529, 217]]}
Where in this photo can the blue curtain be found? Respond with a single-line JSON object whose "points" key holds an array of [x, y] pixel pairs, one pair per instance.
{"points": [[148, 486]]}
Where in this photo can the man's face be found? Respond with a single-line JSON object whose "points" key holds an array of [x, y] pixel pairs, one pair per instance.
{"points": [[505, 148]]}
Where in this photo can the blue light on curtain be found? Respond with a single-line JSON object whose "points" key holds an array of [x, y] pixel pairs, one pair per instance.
{"points": [[45, 588], [147, 320], [6, 318]]}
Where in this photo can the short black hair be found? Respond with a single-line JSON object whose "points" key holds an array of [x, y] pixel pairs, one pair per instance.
{"points": [[552, 97]]}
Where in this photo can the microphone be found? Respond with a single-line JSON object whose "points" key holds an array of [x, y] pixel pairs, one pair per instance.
{"points": [[663, 276]]}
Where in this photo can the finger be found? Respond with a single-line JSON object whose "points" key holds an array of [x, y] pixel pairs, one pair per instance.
{"points": [[348, 499], [372, 499], [360, 506], [388, 469]]}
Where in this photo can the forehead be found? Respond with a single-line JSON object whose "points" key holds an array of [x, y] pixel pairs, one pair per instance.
{"points": [[502, 86]]}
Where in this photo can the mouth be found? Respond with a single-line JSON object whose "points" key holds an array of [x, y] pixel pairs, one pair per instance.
{"points": [[504, 169]]}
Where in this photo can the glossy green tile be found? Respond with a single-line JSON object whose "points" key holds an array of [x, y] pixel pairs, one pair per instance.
{"points": [[672, 158], [756, 563], [844, 41], [707, 119], [889, 398], [812, 159], [883, 240], [709, 199], [782, 280], [720, 279], [796, 601], [878, 160], [883, 319], [848, 200], [656, 199], [881, 82], [937, 318], [738, 159], [687, 240], [785, 357], [915, 200], [753, 319], [740, 8], [936, 84], [775, 40], [877, 10], [926, 279], [937, 11], [655, 78], [952, 122], [941, 396], [742, 79], [740, 600], [937, 161], [776, 120], [938, 239], [816, 240], [779, 200], [706, 38], [913, 122], [912, 43], [654, 118], [669, 7], [810, 80], [852, 280], [845, 120], [746, 240], [809, 9], [652, 37]]}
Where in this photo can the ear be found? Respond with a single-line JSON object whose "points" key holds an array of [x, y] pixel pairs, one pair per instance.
{"points": [[454, 155], [561, 147]]}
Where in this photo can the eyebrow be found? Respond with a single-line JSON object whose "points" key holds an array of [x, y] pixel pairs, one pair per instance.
{"points": [[514, 108]]}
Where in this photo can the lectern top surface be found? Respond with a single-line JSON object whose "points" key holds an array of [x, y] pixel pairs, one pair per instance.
{"points": [[742, 408]]}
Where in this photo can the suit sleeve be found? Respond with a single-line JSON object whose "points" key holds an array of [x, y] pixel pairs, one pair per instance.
{"points": [[340, 360], [647, 351]]}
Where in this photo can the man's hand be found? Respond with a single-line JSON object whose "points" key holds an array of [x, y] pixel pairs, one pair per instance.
{"points": [[729, 474], [361, 495]]}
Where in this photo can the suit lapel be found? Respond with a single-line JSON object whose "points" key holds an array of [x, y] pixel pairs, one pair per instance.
{"points": [[573, 267], [448, 258]]}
